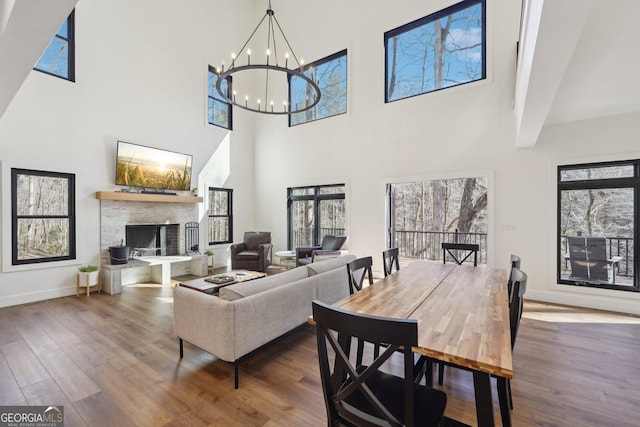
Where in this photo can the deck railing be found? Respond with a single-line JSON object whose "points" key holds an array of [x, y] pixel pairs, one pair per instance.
{"points": [[428, 244]]}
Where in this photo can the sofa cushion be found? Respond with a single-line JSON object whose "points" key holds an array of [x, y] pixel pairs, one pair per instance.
{"points": [[250, 287], [329, 264]]}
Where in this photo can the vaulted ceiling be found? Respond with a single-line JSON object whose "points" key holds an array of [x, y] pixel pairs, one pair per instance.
{"points": [[578, 58]]}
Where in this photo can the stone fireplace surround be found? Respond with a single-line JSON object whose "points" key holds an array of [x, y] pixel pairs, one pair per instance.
{"points": [[117, 210]]}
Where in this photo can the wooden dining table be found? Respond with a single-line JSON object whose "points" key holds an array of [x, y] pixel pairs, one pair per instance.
{"points": [[463, 320]]}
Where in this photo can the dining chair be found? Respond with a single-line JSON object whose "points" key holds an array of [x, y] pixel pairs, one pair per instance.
{"points": [[357, 270], [453, 249], [515, 263], [364, 395], [390, 260]]}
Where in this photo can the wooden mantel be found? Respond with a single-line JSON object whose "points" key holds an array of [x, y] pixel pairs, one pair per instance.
{"points": [[142, 197]]}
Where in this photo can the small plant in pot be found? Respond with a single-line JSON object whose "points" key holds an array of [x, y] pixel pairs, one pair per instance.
{"points": [[88, 275], [209, 253]]}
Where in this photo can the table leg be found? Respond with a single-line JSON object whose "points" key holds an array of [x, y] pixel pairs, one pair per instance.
{"points": [[505, 401], [484, 403]]}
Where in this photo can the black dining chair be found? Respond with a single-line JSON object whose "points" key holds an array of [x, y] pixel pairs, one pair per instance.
{"points": [[390, 260], [364, 395], [358, 270], [515, 263], [460, 252]]}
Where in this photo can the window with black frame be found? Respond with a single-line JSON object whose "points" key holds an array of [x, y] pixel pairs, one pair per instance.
{"points": [[220, 215], [314, 212], [219, 112], [58, 58], [442, 50], [42, 216], [330, 74], [597, 224]]}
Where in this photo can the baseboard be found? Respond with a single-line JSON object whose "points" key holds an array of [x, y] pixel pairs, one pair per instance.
{"points": [[627, 303], [32, 297]]}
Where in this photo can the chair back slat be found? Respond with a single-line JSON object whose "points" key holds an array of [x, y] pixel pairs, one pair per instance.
{"points": [[358, 270], [390, 260]]}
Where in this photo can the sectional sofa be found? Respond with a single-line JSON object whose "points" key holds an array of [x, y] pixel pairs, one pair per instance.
{"points": [[245, 316]]}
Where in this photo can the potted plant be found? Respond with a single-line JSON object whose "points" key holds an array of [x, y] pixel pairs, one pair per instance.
{"points": [[88, 276], [209, 254], [194, 191]]}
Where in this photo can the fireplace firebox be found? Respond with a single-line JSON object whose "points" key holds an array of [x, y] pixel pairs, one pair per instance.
{"points": [[153, 239]]}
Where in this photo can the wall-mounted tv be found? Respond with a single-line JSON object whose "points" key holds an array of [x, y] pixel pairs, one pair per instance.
{"points": [[147, 167]]}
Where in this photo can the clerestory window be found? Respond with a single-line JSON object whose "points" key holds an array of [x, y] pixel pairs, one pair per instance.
{"points": [[58, 58], [219, 111], [444, 49], [330, 74]]}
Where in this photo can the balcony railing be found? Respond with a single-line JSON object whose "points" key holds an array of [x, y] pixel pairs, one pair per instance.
{"points": [[428, 244]]}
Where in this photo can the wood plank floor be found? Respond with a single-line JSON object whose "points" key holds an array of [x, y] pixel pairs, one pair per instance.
{"points": [[113, 360]]}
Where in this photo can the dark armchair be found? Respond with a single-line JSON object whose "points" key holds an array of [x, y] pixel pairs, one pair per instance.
{"points": [[330, 248], [254, 253]]}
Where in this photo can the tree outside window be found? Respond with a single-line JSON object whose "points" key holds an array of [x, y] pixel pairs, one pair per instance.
{"points": [[424, 214], [597, 206], [438, 51], [314, 212], [43, 216], [330, 74], [220, 215], [219, 111]]}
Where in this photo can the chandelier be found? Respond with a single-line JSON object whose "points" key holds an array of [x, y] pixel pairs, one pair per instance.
{"points": [[277, 53]]}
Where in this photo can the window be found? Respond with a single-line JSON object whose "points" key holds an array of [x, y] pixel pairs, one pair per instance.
{"points": [[220, 215], [597, 224], [330, 74], [422, 215], [43, 216], [438, 51], [58, 58], [219, 111], [313, 212]]}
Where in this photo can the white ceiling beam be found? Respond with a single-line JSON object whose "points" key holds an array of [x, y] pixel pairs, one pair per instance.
{"points": [[550, 33]]}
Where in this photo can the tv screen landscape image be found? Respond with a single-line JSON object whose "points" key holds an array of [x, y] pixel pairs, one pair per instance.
{"points": [[147, 167]]}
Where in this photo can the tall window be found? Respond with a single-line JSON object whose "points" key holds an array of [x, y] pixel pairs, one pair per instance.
{"points": [[422, 215], [219, 111], [441, 50], [42, 216], [330, 74], [220, 215], [58, 58], [597, 224], [313, 212]]}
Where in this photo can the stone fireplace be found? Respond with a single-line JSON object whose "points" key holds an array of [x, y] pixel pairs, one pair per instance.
{"points": [[167, 219]]}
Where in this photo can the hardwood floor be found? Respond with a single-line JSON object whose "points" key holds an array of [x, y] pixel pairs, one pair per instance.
{"points": [[113, 360]]}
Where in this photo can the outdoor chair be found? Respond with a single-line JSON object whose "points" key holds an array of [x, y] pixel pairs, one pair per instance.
{"points": [[588, 259], [390, 260], [364, 395]]}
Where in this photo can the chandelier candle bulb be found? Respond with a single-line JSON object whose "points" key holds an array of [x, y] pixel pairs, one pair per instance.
{"points": [[268, 53], [233, 59], [286, 60], [248, 56]]}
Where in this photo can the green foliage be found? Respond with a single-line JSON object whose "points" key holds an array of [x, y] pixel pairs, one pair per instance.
{"points": [[208, 252], [88, 268]]}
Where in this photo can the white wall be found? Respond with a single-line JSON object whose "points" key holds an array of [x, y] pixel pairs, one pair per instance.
{"points": [[447, 133], [141, 77]]}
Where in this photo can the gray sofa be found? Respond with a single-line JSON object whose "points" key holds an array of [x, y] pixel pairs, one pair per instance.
{"points": [[245, 316]]}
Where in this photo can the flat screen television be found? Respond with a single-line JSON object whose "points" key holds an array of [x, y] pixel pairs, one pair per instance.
{"points": [[152, 168]]}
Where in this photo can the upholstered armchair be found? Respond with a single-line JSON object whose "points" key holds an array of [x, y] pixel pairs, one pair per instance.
{"points": [[254, 253], [331, 247]]}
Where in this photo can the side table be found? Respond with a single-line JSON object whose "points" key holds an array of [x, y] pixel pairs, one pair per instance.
{"points": [[287, 259]]}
